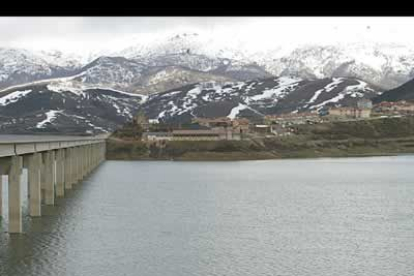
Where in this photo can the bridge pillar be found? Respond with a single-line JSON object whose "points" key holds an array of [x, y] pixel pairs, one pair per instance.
{"points": [[43, 177], [34, 179], [94, 151], [15, 208], [1, 194], [78, 161], [90, 157], [103, 151], [60, 170], [86, 154], [50, 178], [84, 161], [81, 159], [67, 164], [74, 168]]}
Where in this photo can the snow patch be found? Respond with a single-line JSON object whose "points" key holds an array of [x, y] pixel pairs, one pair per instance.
{"points": [[285, 85], [332, 100], [50, 117], [235, 110], [13, 97]]}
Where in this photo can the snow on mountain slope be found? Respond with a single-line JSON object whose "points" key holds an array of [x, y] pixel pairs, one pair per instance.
{"points": [[60, 106], [165, 78], [64, 109], [138, 77], [18, 66], [254, 98], [385, 65]]}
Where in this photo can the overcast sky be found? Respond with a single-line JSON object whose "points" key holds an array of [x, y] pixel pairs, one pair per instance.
{"points": [[102, 33]]}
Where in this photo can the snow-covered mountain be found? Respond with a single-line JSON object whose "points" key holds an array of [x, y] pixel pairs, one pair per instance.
{"points": [[387, 65], [202, 75], [18, 66], [56, 108], [255, 98], [202, 57], [60, 107], [384, 65], [139, 77]]}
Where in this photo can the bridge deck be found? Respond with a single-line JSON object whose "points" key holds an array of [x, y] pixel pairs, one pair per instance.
{"points": [[23, 144]]}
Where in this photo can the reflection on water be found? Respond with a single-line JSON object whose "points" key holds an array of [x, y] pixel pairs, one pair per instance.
{"points": [[352, 216]]}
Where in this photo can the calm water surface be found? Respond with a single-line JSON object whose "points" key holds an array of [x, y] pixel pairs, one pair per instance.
{"points": [[333, 217]]}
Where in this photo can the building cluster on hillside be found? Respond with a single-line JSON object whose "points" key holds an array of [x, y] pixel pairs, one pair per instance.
{"points": [[293, 118], [398, 108], [361, 110], [224, 128]]}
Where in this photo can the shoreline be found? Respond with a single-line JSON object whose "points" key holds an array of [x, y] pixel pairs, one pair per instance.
{"points": [[270, 158], [329, 140]]}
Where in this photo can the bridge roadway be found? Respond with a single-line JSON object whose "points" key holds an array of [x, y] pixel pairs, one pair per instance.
{"points": [[54, 164]]}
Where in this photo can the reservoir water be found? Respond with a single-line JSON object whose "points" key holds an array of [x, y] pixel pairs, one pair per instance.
{"points": [[316, 217]]}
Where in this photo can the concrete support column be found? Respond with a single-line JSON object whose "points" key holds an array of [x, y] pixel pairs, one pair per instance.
{"points": [[89, 152], [60, 170], [76, 164], [90, 158], [95, 160], [43, 177], [50, 178], [81, 158], [85, 160], [97, 147], [15, 208], [68, 169], [103, 151], [1, 194], [34, 176]]}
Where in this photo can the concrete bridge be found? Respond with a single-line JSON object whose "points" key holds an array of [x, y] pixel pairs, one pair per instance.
{"points": [[54, 164]]}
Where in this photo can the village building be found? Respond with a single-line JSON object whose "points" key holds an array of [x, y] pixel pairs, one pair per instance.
{"points": [[213, 122], [262, 129], [191, 135], [362, 110], [153, 121], [200, 135], [157, 136], [400, 107], [234, 128], [241, 125], [292, 118]]}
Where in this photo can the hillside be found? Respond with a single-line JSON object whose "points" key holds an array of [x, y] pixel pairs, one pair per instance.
{"points": [[403, 92], [49, 108], [73, 107], [254, 99]]}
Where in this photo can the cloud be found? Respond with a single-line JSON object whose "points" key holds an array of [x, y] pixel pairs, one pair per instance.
{"points": [[83, 34]]}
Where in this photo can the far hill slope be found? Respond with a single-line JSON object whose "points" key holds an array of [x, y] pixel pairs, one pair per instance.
{"points": [[254, 99], [65, 107], [49, 108], [403, 92]]}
